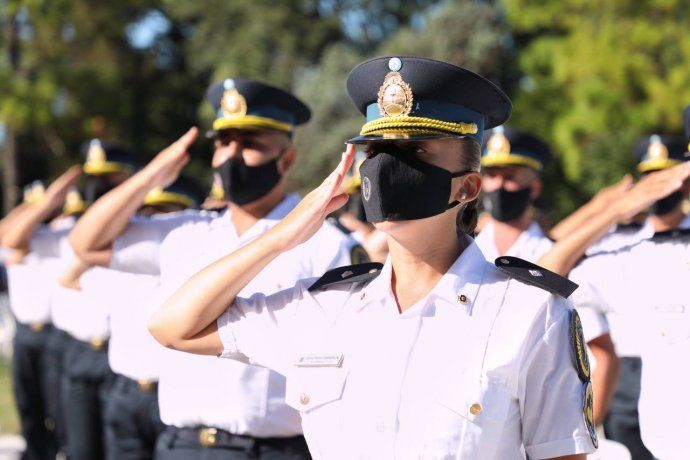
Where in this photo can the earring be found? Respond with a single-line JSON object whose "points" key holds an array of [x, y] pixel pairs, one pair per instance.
{"points": [[463, 196]]}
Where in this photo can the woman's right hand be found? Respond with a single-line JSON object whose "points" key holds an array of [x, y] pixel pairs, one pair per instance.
{"points": [[308, 216]]}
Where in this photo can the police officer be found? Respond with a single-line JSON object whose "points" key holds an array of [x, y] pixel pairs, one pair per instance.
{"points": [[437, 354], [86, 376], [219, 409], [511, 166], [132, 420], [623, 263], [30, 305]]}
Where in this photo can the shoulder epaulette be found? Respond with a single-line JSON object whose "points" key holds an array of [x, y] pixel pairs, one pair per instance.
{"points": [[535, 275], [671, 234], [348, 275]]}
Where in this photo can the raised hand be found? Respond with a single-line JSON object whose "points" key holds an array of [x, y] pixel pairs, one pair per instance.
{"points": [[57, 191], [165, 167], [308, 216], [651, 188]]}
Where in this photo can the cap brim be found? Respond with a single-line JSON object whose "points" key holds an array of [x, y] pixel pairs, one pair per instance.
{"points": [[108, 167], [401, 137]]}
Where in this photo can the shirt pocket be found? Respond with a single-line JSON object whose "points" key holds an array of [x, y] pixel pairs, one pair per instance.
{"points": [[308, 389], [316, 392], [481, 422]]}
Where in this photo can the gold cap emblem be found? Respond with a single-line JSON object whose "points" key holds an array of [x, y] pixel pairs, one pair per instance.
{"points": [[96, 153], [656, 150], [73, 198], [233, 104], [395, 96], [34, 192], [498, 144]]}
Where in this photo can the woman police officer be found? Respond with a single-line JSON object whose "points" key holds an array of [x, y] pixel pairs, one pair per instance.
{"points": [[436, 354]]}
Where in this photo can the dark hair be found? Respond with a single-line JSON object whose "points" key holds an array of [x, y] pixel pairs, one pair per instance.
{"points": [[469, 159]]}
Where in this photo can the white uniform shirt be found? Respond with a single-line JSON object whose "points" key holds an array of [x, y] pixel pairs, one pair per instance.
{"points": [[531, 245], [661, 288], [486, 379], [201, 390], [611, 287], [129, 301], [29, 284]]}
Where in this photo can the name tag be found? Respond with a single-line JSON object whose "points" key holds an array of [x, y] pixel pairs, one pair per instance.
{"points": [[670, 308], [320, 360]]}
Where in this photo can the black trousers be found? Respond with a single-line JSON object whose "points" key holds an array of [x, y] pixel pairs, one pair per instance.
{"points": [[86, 385], [32, 391], [184, 444], [622, 422], [132, 421], [55, 351]]}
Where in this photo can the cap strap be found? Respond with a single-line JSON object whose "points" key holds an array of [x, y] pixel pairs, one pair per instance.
{"points": [[420, 125], [251, 122]]}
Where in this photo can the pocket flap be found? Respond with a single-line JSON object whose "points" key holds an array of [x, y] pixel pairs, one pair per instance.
{"points": [[309, 388]]}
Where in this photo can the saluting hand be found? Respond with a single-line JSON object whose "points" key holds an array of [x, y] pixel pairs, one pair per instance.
{"points": [[165, 167], [57, 191], [651, 188], [308, 216]]}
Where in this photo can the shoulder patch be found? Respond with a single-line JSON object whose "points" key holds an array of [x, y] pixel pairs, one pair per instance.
{"points": [[358, 255], [535, 275], [676, 233], [578, 349], [588, 413], [348, 275]]}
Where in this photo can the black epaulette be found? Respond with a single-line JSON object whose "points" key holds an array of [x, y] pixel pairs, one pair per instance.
{"points": [[674, 234], [535, 275], [348, 275]]}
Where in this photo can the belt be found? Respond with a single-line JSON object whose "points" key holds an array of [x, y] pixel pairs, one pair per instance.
{"points": [[145, 385], [209, 437], [36, 326], [97, 343]]}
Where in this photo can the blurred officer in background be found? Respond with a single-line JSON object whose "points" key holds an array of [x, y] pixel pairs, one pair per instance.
{"points": [[213, 408]]}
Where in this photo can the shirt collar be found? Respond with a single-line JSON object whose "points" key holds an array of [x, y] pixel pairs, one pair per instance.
{"points": [[224, 219], [458, 286]]}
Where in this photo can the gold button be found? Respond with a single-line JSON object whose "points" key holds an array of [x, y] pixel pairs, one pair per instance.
{"points": [[463, 299], [475, 408], [304, 399]]}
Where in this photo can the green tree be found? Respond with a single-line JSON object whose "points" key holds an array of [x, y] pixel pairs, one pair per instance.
{"points": [[597, 75]]}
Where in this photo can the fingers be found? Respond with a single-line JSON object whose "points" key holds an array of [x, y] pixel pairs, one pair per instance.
{"points": [[188, 138], [334, 180]]}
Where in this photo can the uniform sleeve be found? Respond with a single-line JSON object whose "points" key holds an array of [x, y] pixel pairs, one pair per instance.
{"points": [[137, 249], [257, 330], [552, 395], [46, 242], [591, 310]]}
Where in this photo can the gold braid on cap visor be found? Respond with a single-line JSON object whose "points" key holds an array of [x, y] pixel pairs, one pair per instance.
{"points": [[416, 125], [251, 122]]}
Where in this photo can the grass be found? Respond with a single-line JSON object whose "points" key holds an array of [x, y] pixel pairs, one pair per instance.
{"points": [[9, 422]]}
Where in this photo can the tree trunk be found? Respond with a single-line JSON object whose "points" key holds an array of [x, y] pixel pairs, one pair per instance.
{"points": [[9, 170]]}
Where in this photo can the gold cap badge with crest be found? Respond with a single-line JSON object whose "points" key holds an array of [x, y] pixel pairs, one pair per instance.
{"points": [[656, 150], [232, 104], [498, 144], [395, 95], [96, 153]]}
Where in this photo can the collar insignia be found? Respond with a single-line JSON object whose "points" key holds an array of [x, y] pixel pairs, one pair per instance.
{"points": [[395, 96]]}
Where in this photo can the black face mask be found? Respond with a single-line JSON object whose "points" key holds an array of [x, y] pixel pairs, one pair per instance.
{"points": [[505, 206], [666, 204], [355, 206], [243, 184], [96, 187], [398, 186]]}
